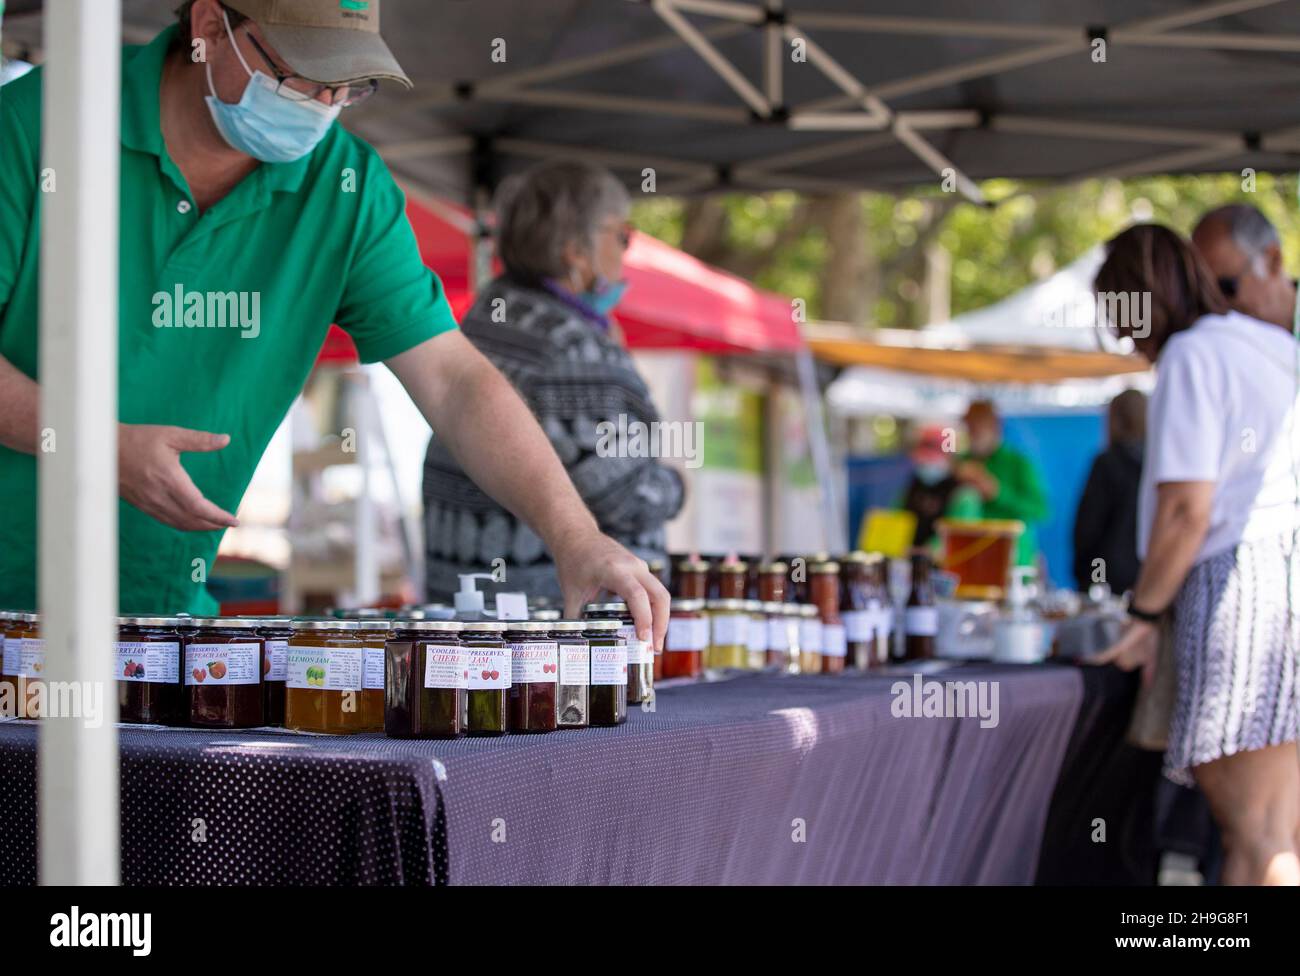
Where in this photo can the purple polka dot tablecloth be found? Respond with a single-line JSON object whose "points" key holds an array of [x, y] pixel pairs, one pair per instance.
{"points": [[757, 779]]}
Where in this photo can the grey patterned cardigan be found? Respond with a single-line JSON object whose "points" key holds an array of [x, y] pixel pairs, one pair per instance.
{"points": [[573, 376]]}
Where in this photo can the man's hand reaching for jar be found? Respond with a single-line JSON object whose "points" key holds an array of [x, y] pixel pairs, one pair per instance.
{"points": [[151, 478]]}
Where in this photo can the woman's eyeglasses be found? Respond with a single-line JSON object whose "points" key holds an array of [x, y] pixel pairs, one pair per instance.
{"points": [[300, 89]]}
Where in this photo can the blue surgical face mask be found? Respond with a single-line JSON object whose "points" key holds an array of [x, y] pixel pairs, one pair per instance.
{"points": [[931, 474], [264, 124], [604, 295]]}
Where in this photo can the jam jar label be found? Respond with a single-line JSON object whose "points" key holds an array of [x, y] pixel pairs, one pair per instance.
{"points": [[31, 657], [609, 664], [730, 629], [534, 661], [638, 651], [687, 634], [810, 636], [859, 625], [921, 621], [446, 666], [372, 672], [778, 634], [884, 623], [149, 661], [833, 640], [223, 664], [489, 668], [275, 667], [575, 663], [757, 637], [13, 651], [324, 668]]}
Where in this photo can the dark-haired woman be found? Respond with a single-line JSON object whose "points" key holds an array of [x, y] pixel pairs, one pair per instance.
{"points": [[1217, 519]]}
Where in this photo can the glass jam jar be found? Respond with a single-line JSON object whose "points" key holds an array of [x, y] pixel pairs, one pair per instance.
{"points": [[810, 639], [223, 673], [728, 634], [640, 656], [824, 587], [489, 676], [323, 675], [8, 665], [732, 577], [756, 635], [149, 689], [275, 633], [691, 579], [573, 690], [374, 638], [534, 671], [773, 582], [609, 672], [426, 680], [778, 635], [24, 662], [687, 640]]}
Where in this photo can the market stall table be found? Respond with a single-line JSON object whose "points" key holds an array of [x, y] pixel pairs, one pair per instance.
{"points": [[758, 778]]}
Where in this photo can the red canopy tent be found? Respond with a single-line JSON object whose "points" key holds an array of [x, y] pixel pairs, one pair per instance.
{"points": [[673, 301]]}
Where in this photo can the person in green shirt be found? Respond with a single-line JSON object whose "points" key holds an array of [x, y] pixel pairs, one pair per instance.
{"points": [[250, 221], [1002, 482]]}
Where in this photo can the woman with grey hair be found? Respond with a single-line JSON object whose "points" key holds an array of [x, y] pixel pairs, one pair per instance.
{"points": [[562, 230]]}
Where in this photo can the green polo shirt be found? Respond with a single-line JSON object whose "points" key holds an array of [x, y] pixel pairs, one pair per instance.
{"points": [[1020, 496], [221, 313]]}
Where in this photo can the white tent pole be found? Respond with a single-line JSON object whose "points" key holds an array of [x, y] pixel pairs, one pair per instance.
{"points": [[77, 789], [365, 580], [712, 57], [833, 533]]}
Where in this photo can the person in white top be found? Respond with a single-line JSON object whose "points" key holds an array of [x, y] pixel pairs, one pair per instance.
{"points": [[1217, 531]]}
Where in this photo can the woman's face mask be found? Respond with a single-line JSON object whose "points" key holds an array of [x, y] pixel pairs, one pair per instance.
{"points": [[265, 124], [931, 474]]}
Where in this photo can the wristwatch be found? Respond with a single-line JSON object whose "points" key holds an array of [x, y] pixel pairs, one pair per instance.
{"points": [[1143, 615]]}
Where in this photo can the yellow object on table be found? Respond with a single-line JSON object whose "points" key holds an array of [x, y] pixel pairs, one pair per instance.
{"points": [[888, 530]]}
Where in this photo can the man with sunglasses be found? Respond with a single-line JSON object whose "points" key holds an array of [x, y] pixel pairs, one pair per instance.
{"points": [[1244, 253], [249, 222]]}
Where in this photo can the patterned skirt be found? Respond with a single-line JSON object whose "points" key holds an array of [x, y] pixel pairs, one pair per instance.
{"points": [[1235, 640]]}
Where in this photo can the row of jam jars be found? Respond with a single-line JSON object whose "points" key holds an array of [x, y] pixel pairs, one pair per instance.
{"points": [[687, 639], [222, 672], [24, 664], [640, 654], [824, 591]]}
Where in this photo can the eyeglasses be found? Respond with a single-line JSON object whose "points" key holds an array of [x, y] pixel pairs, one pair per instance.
{"points": [[298, 88], [623, 233]]}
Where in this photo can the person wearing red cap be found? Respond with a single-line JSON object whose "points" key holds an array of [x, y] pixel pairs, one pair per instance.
{"points": [[250, 221]]}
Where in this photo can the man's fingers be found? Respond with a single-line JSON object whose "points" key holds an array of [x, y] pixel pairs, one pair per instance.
{"points": [[633, 592], [199, 509], [660, 604], [184, 439], [1107, 656]]}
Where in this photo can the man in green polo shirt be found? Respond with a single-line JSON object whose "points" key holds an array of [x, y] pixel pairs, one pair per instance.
{"points": [[251, 220], [1005, 483]]}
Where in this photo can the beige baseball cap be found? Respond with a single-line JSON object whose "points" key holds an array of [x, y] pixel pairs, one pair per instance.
{"points": [[332, 42]]}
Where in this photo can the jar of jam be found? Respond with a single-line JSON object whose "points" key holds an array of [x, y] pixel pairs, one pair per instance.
{"points": [[426, 680], [792, 624], [732, 577], [489, 676], [275, 633], [687, 640], [573, 690], [24, 662], [640, 656], [773, 582], [756, 634], [825, 589], [374, 638], [810, 639], [149, 689], [8, 665], [691, 579], [778, 636], [223, 673], [534, 671], [609, 672], [728, 634], [324, 675]]}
